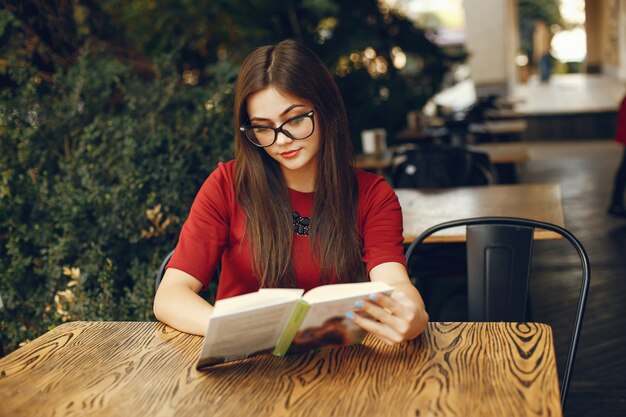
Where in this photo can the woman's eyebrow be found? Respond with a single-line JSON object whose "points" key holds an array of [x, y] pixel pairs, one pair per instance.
{"points": [[287, 110]]}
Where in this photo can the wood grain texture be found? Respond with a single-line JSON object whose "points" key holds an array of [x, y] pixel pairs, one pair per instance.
{"points": [[422, 209], [122, 369]]}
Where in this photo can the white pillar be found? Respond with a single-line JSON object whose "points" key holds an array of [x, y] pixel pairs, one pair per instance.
{"points": [[492, 32]]}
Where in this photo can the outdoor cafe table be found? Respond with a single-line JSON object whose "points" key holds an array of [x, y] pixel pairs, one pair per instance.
{"points": [[499, 154], [148, 369], [424, 208], [503, 153], [500, 127]]}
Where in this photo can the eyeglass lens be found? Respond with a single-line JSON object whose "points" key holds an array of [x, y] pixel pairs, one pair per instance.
{"points": [[299, 127]]}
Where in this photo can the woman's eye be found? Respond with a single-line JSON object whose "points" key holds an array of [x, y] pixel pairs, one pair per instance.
{"points": [[296, 122], [260, 129]]}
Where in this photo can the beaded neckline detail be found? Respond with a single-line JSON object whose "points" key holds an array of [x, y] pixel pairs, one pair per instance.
{"points": [[300, 224]]}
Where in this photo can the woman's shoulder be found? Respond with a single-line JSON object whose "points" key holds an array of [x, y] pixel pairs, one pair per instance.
{"points": [[376, 197], [224, 171], [372, 184], [365, 178], [222, 177]]}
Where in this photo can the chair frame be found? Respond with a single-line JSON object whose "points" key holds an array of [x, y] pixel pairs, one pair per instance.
{"points": [[161, 271], [533, 224]]}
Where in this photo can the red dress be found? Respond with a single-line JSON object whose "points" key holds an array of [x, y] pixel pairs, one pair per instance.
{"points": [[214, 232]]}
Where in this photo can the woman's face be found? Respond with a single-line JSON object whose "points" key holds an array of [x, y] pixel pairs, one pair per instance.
{"points": [[271, 107]]}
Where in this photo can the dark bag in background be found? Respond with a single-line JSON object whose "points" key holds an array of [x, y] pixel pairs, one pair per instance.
{"points": [[441, 167]]}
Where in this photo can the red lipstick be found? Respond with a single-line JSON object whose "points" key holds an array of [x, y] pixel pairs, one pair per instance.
{"points": [[290, 154]]}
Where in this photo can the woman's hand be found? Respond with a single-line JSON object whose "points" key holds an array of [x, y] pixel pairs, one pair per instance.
{"points": [[396, 318], [392, 319]]}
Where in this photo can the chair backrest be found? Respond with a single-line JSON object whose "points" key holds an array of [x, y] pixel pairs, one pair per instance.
{"points": [[499, 253], [161, 271], [441, 166]]}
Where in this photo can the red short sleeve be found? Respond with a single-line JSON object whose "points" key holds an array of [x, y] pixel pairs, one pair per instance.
{"points": [[380, 221], [205, 233]]}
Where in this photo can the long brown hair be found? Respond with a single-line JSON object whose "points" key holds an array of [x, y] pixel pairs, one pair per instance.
{"points": [[291, 67]]}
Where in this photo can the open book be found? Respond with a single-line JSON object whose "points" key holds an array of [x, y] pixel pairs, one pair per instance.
{"points": [[281, 321]]}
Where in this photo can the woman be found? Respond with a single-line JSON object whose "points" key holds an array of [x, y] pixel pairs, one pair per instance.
{"points": [[617, 207], [290, 210]]}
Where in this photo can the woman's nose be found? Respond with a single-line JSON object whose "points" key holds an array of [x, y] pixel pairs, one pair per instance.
{"points": [[283, 139]]}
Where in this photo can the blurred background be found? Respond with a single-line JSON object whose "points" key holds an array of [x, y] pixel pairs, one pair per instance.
{"points": [[112, 114]]}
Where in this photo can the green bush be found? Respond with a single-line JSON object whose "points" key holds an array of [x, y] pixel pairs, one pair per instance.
{"points": [[99, 162], [98, 169]]}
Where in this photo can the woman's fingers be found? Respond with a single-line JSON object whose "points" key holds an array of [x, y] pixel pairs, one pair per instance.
{"points": [[376, 328], [398, 306], [402, 304], [389, 318], [409, 306]]}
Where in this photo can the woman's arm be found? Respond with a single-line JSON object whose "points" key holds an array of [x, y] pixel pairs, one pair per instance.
{"points": [[396, 318], [178, 304]]}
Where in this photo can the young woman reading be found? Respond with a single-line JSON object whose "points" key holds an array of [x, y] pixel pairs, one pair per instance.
{"points": [[291, 210]]}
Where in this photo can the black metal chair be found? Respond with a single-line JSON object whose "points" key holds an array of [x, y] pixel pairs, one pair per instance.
{"points": [[1, 308], [161, 271], [499, 251], [208, 294]]}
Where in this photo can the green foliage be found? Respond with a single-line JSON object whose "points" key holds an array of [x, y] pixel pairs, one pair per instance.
{"points": [[546, 10], [98, 169], [532, 10], [567, 67], [99, 161], [376, 92], [335, 30]]}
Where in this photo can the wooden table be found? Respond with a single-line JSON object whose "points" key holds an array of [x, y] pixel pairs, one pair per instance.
{"points": [[500, 127], [503, 152], [500, 153], [502, 114], [504, 156], [148, 369], [376, 161], [425, 135], [422, 209]]}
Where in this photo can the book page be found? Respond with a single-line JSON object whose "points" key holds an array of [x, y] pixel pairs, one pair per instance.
{"points": [[339, 291], [325, 324], [238, 335], [253, 301]]}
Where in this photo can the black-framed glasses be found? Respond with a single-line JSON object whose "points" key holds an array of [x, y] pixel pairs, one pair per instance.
{"points": [[297, 128]]}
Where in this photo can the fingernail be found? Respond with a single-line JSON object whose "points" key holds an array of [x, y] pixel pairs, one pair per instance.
{"points": [[350, 316], [358, 303], [374, 297]]}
